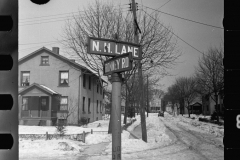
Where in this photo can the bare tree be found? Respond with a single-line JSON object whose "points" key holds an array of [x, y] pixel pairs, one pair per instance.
{"points": [[210, 73], [103, 20]]}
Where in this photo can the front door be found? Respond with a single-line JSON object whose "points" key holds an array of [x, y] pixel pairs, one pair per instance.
{"points": [[34, 106], [44, 106]]}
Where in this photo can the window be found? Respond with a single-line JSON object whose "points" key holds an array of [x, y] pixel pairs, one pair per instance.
{"points": [[64, 79], [97, 88], [89, 83], [207, 107], [100, 90], [83, 107], [97, 106], [103, 95], [64, 104], [45, 60], [100, 106], [25, 78], [89, 111], [44, 103], [84, 80], [24, 103]]}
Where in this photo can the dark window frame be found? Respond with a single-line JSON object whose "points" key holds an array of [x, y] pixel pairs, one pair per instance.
{"points": [[97, 88], [43, 61], [26, 83], [61, 84], [89, 105], [84, 80], [83, 105], [97, 107], [89, 82]]}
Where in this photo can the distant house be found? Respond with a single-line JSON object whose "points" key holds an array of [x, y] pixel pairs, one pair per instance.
{"points": [[155, 104], [209, 105], [53, 88]]}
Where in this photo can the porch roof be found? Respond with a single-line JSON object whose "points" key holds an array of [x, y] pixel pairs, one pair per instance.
{"points": [[40, 87]]}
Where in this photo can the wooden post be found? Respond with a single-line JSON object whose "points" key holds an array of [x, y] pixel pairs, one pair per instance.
{"points": [[46, 135], [83, 136], [91, 131]]}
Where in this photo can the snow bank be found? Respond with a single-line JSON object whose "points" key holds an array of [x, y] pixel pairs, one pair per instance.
{"points": [[39, 148], [196, 125]]}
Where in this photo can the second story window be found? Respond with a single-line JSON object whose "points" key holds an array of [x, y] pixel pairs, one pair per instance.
{"points": [[64, 104], [89, 82], [84, 80], [97, 88], [64, 78], [45, 60], [25, 78]]}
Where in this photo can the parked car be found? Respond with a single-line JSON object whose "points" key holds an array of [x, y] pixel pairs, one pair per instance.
{"points": [[160, 113]]}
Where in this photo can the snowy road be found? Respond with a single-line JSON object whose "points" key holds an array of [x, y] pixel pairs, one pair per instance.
{"points": [[187, 145], [169, 138]]}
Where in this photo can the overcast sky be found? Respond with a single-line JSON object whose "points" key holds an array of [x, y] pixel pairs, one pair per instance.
{"points": [[44, 23]]}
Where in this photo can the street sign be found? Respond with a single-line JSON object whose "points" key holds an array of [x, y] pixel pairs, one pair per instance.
{"points": [[108, 47], [119, 63]]}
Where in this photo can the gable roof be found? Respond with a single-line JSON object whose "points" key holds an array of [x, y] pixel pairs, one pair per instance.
{"points": [[41, 87], [44, 49]]}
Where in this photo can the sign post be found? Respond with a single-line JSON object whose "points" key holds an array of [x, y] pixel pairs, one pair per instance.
{"points": [[116, 116], [123, 54]]}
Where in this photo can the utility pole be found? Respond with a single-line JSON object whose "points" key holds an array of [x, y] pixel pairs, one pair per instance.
{"points": [[116, 116], [142, 109]]}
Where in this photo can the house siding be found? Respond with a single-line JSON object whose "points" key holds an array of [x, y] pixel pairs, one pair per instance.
{"points": [[49, 76]]}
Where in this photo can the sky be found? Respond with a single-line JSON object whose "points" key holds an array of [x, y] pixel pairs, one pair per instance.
{"points": [[42, 25]]}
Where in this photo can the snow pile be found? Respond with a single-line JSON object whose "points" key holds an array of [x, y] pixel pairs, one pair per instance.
{"points": [[196, 125], [42, 147], [156, 132], [135, 124], [98, 138]]}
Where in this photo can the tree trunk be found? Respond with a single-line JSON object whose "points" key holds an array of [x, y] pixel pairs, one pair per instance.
{"points": [[126, 109], [216, 100]]}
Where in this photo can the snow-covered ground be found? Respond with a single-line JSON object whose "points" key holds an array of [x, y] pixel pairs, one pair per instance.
{"points": [[196, 125], [156, 134]]}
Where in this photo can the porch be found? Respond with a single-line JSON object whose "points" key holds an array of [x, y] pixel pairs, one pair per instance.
{"points": [[38, 106]]}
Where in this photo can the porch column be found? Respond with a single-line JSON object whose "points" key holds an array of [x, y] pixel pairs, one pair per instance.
{"points": [[50, 106]]}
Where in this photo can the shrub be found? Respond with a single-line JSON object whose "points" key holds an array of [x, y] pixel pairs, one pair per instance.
{"points": [[214, 116], [83, 121], [61, 129]]}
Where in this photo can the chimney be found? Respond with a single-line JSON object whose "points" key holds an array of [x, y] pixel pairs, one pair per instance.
{"points": [[55, 50]]}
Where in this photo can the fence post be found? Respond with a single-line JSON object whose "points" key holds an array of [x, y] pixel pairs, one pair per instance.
{"points": [[83, 136], [46, 135], [91, 131]]}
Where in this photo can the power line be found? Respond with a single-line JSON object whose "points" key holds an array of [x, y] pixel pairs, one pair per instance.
{"points": [[55, 20], [185, 18], [174, 33], [61, 14]]}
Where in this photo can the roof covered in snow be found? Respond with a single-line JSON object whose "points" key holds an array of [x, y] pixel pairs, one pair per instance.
{"points": [[40, 87]]}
